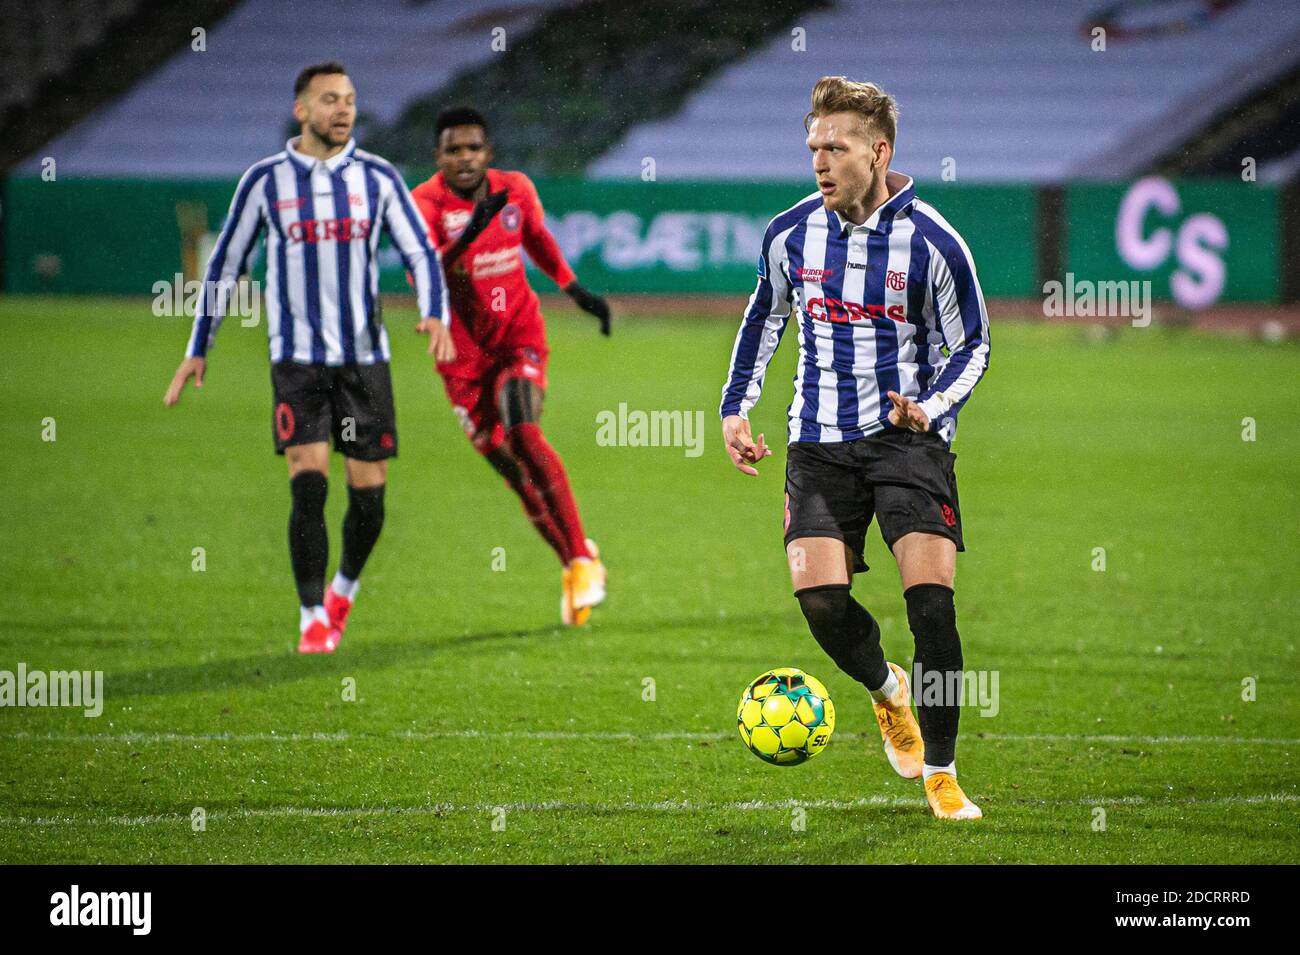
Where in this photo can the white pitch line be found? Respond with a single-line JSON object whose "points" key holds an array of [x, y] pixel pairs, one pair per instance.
{"points": [[346, 737], [596, 735], [1116, 738], [684, 806]]}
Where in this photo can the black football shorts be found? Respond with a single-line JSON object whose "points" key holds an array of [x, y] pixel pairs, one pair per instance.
{"points": [[352, 404], [902, 478]]}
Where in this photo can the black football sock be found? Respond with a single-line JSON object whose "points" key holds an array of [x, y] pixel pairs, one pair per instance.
{"points": [[309, 546], [361, 526], [933, 619], [849, 635]]}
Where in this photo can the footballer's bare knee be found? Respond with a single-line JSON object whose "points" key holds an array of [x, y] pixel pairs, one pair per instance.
{"points": [[314, 456], [925, 559], [366, 473], [818, 561]]}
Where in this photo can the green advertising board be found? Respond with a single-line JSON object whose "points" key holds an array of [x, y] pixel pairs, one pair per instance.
{"points": [[706, 237], [116, 236], [123, 236], [1198, 242]]}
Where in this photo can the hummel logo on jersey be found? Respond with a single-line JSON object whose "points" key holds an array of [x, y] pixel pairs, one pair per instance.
{"points": [[834, 310], [324, 230]]}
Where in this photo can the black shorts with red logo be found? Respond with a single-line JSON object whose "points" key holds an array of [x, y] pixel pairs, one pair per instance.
{"points": [[902, 478], [353, 404]]}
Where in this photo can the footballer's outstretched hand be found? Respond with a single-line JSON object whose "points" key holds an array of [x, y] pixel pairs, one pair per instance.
{"points": [[744, 451], [906, 413], [190, 368], [441, 346], [589, 302]]}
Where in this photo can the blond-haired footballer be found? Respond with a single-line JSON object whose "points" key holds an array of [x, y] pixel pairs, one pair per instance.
{"points": [[893, 337]]}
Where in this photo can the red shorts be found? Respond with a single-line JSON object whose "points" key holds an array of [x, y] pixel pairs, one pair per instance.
{"points": [[474, 399]]}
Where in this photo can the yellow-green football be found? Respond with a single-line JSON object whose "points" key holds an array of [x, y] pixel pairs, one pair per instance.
{"points": [[785, 716]]}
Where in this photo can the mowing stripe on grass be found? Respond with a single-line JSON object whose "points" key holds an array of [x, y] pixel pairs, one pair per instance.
{"points": [[488, 808], [594, 735]]}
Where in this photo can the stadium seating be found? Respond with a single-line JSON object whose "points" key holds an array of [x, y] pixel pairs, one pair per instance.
{"points": [[394, 50], [41, 40], [1028, 100], [1004, 110], [569, 89]]}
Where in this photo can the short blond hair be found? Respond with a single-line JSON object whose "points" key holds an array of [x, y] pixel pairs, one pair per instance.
{"points": [[839, 94]]}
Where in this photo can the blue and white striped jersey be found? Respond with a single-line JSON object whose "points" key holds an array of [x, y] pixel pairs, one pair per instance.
{"points": [[322, 220], [889, 305]]}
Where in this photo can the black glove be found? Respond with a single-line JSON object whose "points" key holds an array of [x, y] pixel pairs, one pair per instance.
{"points": [[591, 303], [484, 211]]}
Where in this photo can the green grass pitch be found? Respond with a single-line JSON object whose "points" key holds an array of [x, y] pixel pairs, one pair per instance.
{"points": [[1120, 689]]}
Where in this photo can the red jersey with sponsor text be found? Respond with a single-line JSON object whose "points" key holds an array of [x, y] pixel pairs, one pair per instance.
{"points": [[495, 313]]}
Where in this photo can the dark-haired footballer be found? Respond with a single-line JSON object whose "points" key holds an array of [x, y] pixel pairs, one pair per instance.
{"points": [[893, 338], [482, 219], [322, 204]]}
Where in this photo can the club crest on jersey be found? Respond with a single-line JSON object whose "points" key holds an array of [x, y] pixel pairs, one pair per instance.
{"points": [[813, 275], [510, 217], [896, 280]]}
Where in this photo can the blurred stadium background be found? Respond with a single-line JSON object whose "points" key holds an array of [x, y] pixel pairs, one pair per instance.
{"points": [[663, 143]]}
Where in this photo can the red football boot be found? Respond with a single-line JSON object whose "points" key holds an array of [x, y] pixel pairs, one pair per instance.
{"points": [[338, 607], [319, 637]]}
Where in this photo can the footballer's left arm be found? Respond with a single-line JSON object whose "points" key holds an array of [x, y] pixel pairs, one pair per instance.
{"points": [[409, 232], [542, 248], [962, 319]]}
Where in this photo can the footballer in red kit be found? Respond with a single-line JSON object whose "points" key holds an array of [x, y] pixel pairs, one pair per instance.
{"points": [[483, 220]]}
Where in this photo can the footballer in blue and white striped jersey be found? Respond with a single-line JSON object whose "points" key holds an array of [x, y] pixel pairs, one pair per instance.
{"points": [[893, 337], [891, 304], [322, 205], [322, 219]]}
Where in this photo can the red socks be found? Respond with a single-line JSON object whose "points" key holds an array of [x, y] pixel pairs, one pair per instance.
{"points": [[536, 510], [545, 492]]}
